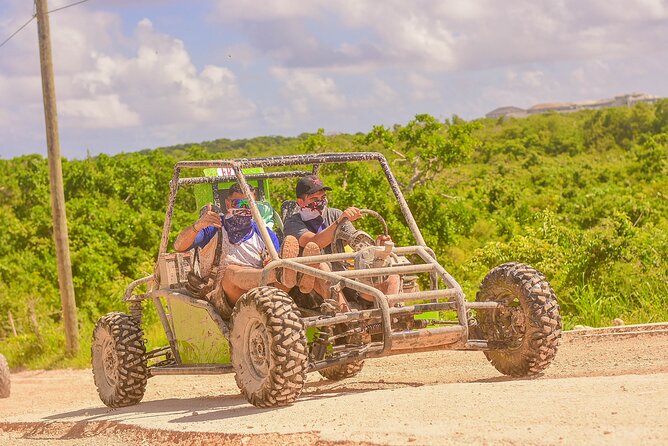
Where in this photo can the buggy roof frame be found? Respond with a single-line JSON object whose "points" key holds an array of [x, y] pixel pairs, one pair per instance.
{"points": [[236, 166]]}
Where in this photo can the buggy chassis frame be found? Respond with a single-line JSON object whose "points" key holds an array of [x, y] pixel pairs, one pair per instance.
{"points": [[454, 336]]}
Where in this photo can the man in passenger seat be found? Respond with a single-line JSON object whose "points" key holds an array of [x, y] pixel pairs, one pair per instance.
{"points": [[243, 250]]}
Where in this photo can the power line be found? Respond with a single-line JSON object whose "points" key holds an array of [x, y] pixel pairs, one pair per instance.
{"points": [[33, 18], [68, 6], [17, 31]]}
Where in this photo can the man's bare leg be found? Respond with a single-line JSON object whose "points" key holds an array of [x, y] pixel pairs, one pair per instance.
{"points": [[322, 288], [390, 286], [239, 279]]}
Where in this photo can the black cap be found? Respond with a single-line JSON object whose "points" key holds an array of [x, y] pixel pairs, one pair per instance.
{"points": [[310, 184]]}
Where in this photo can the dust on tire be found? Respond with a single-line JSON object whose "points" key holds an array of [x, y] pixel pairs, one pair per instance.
{"points": [[531, 324], [119, 365], [268, 347]]}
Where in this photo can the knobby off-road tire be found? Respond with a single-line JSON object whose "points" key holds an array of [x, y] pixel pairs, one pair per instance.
{"points": [[342, 371], [268, 347], [531, 324], [119, 366], [5, 382]]}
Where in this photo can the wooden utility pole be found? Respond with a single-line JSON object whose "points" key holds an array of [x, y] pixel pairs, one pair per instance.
{"points": [[56, 184]]}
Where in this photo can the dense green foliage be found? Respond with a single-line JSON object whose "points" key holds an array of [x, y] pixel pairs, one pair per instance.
{"points": [[582, 197]]}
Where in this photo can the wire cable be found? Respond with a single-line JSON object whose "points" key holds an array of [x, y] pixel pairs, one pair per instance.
{"points": [[35, 15], [17, 31], [68, 6]]}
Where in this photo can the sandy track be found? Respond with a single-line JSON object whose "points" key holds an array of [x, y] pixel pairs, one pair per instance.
{"points": [[605, 387]]}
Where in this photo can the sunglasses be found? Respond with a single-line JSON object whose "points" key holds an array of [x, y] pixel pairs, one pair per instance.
{"points": [[317, 204], [240, 204]]}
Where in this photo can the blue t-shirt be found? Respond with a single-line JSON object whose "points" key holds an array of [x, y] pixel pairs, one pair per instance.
{"points": [[205, 235]]}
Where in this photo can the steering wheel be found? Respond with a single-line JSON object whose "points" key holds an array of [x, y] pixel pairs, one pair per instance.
{"points": [[357, 239]]}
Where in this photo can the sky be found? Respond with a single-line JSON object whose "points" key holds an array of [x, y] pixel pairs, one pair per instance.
{"points": [[132, 75]]}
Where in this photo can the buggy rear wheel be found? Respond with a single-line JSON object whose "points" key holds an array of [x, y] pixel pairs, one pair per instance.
{"points": [[119, 366], [342, 371], [268, 347], [530, 323], [5, 382]]}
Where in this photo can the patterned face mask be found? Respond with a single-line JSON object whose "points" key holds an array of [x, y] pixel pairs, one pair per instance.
{"points": [[309, 214], [238, 227], [318, 205]]}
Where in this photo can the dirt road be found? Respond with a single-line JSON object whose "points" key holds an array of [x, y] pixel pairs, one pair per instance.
{"points": [[605, 387]]}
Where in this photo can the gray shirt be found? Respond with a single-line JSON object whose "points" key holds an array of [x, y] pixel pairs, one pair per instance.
{"points": [[295, 226]]}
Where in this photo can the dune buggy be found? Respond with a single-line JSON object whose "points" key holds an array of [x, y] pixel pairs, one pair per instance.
{"points": [[272, 339]]}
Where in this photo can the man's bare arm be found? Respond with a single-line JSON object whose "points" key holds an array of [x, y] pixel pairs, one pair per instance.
{"points": [[186, 237], [325, 237]]}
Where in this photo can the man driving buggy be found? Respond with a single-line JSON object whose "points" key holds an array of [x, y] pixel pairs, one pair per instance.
{"points": [[317, 223], [243, 250]]}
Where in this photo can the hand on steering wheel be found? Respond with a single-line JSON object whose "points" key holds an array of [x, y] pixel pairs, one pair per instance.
{"points": [[351, 214], [359, 236]]}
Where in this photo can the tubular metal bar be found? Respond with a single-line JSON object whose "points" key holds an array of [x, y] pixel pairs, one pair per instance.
{"points": [[199, 369], [162, 351], [429, 337], [434, 276], [173, 187], [489, 305], [374, 349], [262, 226], [452, 283], [428, 256], [336, 279], [319, 321], [251, 176], [127, 297], [421, 295], [375, 314], [402, 201], [343, 256], [476, 345], [167, 327], [371, 272], [423, 308], [285, 160], [324, 258], [222, 326]]}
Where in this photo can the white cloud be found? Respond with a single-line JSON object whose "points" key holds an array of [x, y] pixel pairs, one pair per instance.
{"points": [[448, 36], [423, 87], [267, 10], [105, 111], [533, 78], [306, 90], [377, 96], [148, 82], [345, 65]]}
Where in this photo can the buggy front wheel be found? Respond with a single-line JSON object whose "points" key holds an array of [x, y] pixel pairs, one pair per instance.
{"points": [[529, 323], [268, 347]]}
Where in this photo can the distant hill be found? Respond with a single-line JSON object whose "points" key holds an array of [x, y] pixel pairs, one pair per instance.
{"points": [[567, 107]]}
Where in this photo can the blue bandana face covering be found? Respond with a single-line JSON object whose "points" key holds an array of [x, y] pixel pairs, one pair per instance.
{"points": [[238, 227]]}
